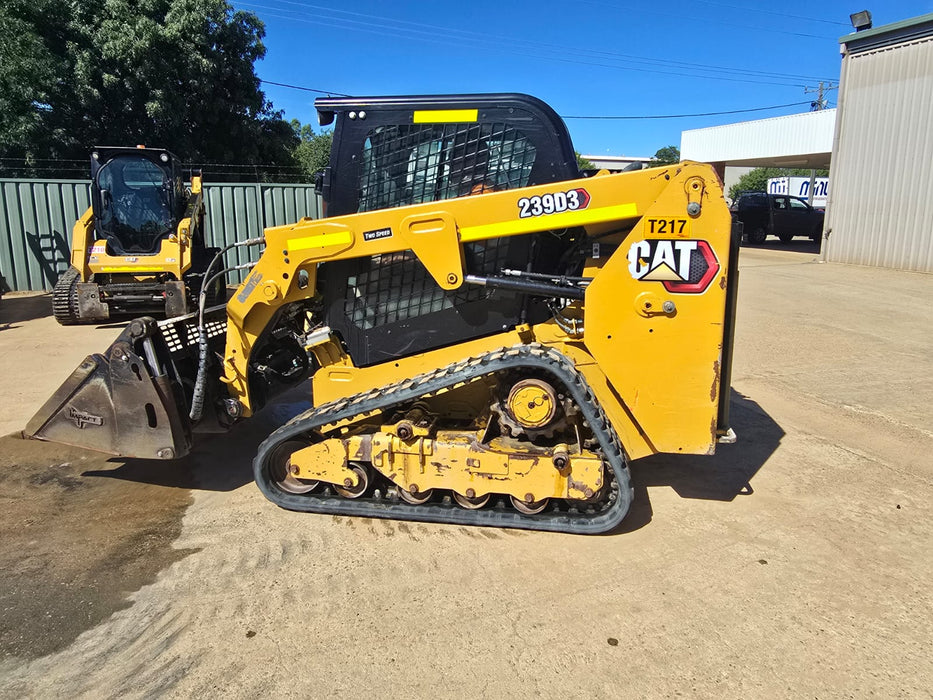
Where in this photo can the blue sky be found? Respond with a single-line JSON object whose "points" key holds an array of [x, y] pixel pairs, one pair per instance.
{"points": [[593, 58]]}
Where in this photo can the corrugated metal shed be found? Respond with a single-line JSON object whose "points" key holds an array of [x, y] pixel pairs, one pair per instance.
{"points": [[35, 229], [236, 212], [880, 211], [795, 140], [36, 218]]}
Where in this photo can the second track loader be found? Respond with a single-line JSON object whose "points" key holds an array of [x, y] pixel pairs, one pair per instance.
{"points": [[488, 338], [139, 248]]}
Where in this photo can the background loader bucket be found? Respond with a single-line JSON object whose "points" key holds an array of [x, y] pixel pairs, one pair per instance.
{"points": [[126, 402]]}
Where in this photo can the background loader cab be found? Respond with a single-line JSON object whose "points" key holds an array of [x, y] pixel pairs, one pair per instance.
{"points": [[139, 249], [136, 199]]}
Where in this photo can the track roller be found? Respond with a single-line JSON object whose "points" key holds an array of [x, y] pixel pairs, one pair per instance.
{"points": [[471, 502], [529, 507], [349, 491], [415, 498]]}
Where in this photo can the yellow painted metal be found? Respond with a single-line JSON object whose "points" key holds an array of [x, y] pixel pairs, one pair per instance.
{"points": [[82, 237], [654, 371], [665, 365], [444, 116], [582, 217], [333, 382], [457, 461], [335, 239], [323, 461], [531, 404]]}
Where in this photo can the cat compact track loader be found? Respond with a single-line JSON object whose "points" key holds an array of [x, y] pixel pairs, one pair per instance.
{"points": [[489, 337], [139, 248]]}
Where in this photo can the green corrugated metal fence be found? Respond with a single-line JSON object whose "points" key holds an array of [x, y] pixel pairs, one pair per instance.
{"points": [[36, 218]]}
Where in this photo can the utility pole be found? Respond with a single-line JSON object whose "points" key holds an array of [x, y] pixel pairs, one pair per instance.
{"points": [[819, 103]]}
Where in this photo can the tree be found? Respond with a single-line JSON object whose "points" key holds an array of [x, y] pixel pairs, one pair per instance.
{"points": [[584, 163], [669, 155], [28, 70], [757, 180], [312, 154], [176, 74]]}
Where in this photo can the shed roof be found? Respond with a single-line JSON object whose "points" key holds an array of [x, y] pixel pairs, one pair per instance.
{"points": [[792, 141], [889, 34]]}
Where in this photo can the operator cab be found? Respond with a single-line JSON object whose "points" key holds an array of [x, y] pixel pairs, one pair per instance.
{"points": [[397, 151], [138, 195]]}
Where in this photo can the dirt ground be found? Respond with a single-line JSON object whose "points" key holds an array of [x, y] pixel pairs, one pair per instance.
{"points": [[795, 562]]}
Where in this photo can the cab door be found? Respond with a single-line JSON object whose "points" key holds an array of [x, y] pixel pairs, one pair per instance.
{"points": [[781, 215], [800, 217]]}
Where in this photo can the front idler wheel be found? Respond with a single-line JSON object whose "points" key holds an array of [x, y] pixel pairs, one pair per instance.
{"points": [[280, 469]]}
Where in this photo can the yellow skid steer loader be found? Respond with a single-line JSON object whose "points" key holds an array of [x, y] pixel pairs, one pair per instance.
{"points": [[487, 337], [139, 248]]}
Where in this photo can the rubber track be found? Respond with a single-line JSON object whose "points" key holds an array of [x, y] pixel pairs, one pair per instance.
{"points": [[573, 519], [65, 298]]}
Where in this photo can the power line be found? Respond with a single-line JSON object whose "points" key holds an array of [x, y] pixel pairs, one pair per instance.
{"points": [[653, 116], [547, 56], [485, 37], [445, 35], [772, 12], [699, 114], [306, 89], [756, 27]]}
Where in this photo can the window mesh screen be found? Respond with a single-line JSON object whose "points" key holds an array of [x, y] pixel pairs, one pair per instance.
{"points": [[416, 163], [397, 287]]}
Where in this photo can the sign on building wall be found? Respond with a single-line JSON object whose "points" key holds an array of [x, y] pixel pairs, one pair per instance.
{"points": [[800, 187]]}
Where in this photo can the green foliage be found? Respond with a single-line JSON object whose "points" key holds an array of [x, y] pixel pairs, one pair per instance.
{"points": [[583, 163], [176, 74], [757, 180], [313, 151], [669, 155]]}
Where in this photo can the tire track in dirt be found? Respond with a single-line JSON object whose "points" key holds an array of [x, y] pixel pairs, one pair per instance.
{"points": [[258, 576]]}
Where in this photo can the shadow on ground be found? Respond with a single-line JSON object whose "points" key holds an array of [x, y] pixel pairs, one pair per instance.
{"points": [[19, 309], [218, 462], [224, 462], [720, 477], [79, 531]]}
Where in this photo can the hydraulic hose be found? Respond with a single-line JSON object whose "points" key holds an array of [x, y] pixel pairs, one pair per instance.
{"points": [[200, 383]]}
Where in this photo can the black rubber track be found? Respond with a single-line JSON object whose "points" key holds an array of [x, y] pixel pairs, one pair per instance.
{"points": [[65, 298], [583, 519]]}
